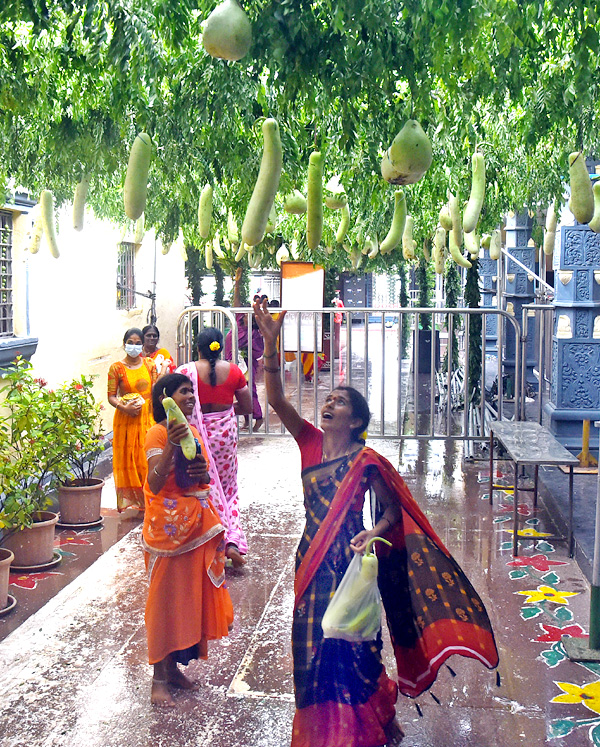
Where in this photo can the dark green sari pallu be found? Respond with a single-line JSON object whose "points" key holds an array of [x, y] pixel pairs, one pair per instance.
{"points": [[344, 697]]}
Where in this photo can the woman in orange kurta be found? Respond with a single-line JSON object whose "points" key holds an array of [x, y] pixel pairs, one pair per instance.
{"points": [[130, 384], [183, 537]]}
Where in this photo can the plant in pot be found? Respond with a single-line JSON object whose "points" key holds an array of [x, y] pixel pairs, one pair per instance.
{"points": [[35, 443], [6, 601], [79, 492]]}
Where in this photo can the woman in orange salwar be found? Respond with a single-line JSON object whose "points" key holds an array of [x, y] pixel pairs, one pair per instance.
{"points": [[130, 384], [344, 696], [183, 537]]}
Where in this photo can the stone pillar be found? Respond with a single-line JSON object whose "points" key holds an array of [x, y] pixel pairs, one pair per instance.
{"points": [[575, 385], [519, 291], [488, 271]]}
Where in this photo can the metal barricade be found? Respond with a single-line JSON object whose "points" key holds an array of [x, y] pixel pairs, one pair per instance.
{"points": [[542, 327], [411, 394]]}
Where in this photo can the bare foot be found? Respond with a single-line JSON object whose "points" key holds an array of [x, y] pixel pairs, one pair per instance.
{"points": [[178, 679], [235, 556], [257, 423], [160, 695], [393, 733]]}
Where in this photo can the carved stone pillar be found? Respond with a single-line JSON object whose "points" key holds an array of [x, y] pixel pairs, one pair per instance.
{"points": [[488, 271], [575, 386]]}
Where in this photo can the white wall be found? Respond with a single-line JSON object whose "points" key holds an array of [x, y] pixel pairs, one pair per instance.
{"points": [[72, 299]]}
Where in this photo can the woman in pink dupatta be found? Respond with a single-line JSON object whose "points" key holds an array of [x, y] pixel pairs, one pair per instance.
{"points": [[217, 384]]}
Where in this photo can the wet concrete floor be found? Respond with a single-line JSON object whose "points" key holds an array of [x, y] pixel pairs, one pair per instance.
{"points": [[75, 672]]}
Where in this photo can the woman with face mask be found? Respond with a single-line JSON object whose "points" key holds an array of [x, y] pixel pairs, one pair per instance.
{"points": [[130, 384]]}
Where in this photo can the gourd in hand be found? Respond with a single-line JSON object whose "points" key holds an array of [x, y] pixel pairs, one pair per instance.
{"points": [[188, 442], [369, 568]]}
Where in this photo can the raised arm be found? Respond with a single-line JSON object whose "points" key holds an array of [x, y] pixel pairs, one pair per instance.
{"points": [[270, 329]]}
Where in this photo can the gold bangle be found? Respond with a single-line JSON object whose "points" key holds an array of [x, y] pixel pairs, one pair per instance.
{"points": [[160, 474]]}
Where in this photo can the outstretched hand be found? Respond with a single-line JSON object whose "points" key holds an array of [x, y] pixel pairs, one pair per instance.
{"points": [[268, 326]]}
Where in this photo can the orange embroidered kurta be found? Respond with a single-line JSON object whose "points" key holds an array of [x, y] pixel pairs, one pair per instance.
{"points": [[183, 537]]}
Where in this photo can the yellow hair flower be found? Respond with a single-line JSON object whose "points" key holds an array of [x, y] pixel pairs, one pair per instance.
{"points": [[214, 346], [363, 436]]}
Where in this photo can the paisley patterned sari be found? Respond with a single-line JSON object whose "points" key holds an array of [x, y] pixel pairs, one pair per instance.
{"points": [[344, 697]]}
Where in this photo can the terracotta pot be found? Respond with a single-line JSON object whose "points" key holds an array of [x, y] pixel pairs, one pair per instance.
{"points": [[80, 503], [35, 545], [6, 558]]}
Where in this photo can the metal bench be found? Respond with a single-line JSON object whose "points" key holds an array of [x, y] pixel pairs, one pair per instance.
{"points": [[528, 443]]}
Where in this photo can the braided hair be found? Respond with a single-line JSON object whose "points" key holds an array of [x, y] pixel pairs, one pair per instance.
{"points": [[210, 345]]}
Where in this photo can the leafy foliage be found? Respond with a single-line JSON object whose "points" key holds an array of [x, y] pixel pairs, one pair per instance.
{"points": [[79, 79]]}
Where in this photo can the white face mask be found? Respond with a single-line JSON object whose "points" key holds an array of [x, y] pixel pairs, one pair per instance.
{"points": [[133, 350]]}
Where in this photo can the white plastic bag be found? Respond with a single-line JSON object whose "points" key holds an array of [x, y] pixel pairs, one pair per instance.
{"points": [[354, 612], [242, 365]]}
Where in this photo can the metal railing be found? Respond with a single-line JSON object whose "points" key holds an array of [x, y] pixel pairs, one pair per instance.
{"points": [[542, 327], [411, 394]]}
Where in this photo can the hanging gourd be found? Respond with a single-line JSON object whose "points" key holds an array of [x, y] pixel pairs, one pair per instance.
{"points": [[439, 250], [136, 180], [594, 224], [205, 208], [343, 226], [495, 244], [295, 203], [314, 200], [445, 218], [267, 183], [47, 208], [581, 203], [550, 234], [394, 235], [79, 199], [227, 32], [475, 203], [408, 157], [408, 243]]}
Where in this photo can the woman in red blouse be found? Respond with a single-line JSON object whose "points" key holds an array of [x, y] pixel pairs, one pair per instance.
{"points": [[222, 394]]}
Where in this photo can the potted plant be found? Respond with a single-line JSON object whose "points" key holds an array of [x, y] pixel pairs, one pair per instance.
{"points": [[37, 426], [79, 493], [6, 603], [45, 435]]}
